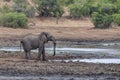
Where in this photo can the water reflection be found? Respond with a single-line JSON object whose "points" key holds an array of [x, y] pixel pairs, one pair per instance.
{"points": [[104, 61], [69, 50]]}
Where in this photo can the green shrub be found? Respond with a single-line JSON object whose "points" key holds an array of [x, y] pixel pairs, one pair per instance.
{"points": [[93, 6], [118, 3], [75, 11], [108, 9], [50, 8], [101, 20], [22, 6], [7, 0], [13, 20], [69, 2], [78, 11], [110, 1], [116, 19]]}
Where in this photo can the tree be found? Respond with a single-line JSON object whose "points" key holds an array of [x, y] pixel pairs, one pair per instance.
{"points": [[50, 8]]}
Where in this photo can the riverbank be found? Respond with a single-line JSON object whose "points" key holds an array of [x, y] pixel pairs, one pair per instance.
{"points": [[14, 64], [19, 66]]}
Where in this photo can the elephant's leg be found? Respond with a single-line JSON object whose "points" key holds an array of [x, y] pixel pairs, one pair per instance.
{"points": [[43, 54], [29, 55], [26, 54], [39, 53]]}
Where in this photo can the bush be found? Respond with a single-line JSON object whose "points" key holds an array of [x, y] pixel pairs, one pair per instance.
{"points": [[116, 19], [75, 11], [23, 7], [7, 0], [101, 20], [69, 2], [93, 6], [30, 12], [13, 20], [108, 9], [78, 11], [50, 8]]}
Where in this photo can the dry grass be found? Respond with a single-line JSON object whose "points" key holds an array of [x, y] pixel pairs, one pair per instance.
{"points": [[66, 29]]}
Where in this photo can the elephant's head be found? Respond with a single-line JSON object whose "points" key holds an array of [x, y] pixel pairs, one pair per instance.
{"points": [[47, 37]]}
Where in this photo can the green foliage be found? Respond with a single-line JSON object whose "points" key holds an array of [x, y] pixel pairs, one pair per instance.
{"points": [[65, 2], [69, 2], [50, 8], [116, 19], [61, 2], [23, 7], [108, 1], [20, 1], [75, 11], [78, 10], [7, 0], [93, 6], [108, 9], [13, 20], [102, 21]]}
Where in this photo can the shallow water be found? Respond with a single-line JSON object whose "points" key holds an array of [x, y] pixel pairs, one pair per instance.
{"points": [[103, 61], [70, 50], [109, 49]]}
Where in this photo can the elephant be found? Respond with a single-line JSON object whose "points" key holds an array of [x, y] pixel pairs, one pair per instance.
{"points": [[31, 42]]}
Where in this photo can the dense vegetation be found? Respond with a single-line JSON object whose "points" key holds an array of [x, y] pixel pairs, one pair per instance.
{"points": [[101, 12], [50, 8], [13, 19]]}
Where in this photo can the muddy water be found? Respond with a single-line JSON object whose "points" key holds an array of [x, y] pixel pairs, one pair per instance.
{"points": [[75, 48], [108, 53]]}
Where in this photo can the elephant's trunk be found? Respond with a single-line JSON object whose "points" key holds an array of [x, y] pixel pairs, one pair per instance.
{"points": [[54, 42], [54, 47], [51, 38]]}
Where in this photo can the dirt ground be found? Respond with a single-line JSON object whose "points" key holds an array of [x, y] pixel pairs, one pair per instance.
{"points": [[67, 29], [14, 64]]}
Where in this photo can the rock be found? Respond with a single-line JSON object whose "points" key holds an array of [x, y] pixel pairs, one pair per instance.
{"points": [[32, 25]]}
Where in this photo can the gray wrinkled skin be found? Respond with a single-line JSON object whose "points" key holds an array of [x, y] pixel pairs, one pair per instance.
{"points": [[31, 42]]}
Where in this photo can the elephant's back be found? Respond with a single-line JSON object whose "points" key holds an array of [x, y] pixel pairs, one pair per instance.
{"points": [[29, 37], [31, 41]]}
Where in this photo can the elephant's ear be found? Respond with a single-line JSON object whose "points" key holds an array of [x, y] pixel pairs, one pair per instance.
{"points": [[43, 37]]}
